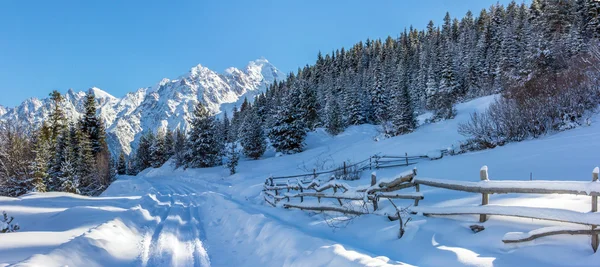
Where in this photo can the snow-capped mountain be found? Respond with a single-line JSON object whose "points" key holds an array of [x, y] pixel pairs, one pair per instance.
{"points": [[168, 104]]}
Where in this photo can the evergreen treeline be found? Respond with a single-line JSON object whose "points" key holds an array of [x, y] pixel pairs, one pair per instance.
{"points": [[388, 82], [59, 156]]}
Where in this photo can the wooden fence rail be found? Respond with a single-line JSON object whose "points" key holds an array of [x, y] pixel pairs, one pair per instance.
{"points": [[373, 162], [341, 191], [486, 187]]}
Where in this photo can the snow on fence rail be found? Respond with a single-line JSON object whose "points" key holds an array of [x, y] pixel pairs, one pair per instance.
{"points": [[373, 162], [486, 187], [273, 193]]}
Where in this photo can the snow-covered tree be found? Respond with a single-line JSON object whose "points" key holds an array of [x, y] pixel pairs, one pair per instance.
{"points": [[288, 132], [122, 164], [69, 180], [203, 148], [179, 150], [233, 157], [7, 225], [252, 136]]}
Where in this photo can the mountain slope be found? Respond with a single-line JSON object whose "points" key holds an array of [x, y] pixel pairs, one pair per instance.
{"points": [[168, 104]]}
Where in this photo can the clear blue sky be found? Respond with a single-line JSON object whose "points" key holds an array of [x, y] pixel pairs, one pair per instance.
{"points": [[120, 46]]}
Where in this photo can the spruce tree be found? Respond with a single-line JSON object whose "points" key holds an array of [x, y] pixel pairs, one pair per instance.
{"points": [[179, 149], [169, 144], [288, 132], [143, 159], [158, 150], [233, 156], [85, 165], [122, 164], [69, 180], [403, 119], [58, 121], [252, 139], [334, 124], [203, 148], [40, 163], [92, 125], [225, 128]]}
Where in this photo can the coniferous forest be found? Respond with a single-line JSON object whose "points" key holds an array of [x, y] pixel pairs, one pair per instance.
{"points": [[542, 58], [62, 155]]}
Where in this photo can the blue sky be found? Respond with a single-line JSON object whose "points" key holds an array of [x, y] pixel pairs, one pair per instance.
{"points": [[120, 46]]}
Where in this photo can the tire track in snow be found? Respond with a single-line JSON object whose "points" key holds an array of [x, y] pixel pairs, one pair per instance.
{"points": [[176, 240]]}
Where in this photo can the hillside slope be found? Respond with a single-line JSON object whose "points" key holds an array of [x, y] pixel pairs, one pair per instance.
{"points": [[202, 217]]}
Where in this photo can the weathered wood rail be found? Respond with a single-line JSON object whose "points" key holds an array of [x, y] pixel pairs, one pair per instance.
{"points": [[372, 163], [276, 192], [486, 187]]}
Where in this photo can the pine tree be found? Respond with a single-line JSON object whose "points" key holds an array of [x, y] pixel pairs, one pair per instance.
{"points": [[252, 139], [58, 121], [85, 164], [233, 156], [179, 149], [122, 164], [143, 159], [288, 132], [158, 150], [403, 120], [225, 128], [169, 144], [61, 152], [69, 180], [203, 148], [92, 125], [40, 163], [334, 123]]}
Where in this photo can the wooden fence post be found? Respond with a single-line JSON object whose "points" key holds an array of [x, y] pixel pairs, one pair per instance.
{"points": [[345, 169], [485, 198], [373, 179], [314, 174], [417, 189], [373, 183], [595, 240], [406, 154], [301, 191]]}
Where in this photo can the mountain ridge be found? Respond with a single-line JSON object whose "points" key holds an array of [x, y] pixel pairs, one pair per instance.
{"points": [[167, 104]]}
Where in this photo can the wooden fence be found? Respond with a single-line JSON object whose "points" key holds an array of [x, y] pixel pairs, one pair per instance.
{"points": [[334, 189], [486, 187], [372, 163]]}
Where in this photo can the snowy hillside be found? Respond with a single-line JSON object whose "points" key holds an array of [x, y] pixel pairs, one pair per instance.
{"points": [[166, 104], [204, 217]]}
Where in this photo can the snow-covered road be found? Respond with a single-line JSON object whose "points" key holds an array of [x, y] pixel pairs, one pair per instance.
{"points": [[176, 224]]}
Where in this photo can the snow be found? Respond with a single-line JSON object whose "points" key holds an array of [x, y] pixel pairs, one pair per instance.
{"points": [[584, 188], [537, 213], [197, 217], [513, 236], [168, 103]]}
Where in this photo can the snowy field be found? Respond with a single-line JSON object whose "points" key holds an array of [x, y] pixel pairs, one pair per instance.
{"points": [[203, 217]]}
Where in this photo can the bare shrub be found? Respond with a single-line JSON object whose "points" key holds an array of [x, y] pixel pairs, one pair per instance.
{"points": [[15, 158], [548, 101], [350, 172]]}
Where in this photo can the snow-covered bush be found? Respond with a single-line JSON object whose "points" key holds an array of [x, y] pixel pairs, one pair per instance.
{"points": [[7, 225], [549, 101]]}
